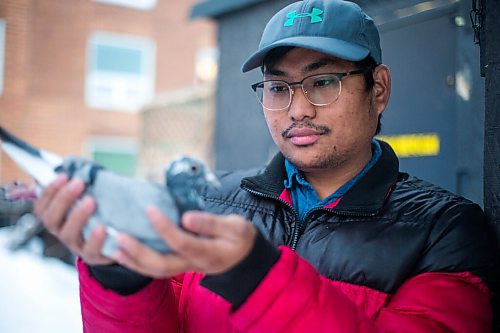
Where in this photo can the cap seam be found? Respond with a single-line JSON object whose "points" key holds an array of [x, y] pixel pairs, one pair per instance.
{"points": [[301, 20], [362, 26]]}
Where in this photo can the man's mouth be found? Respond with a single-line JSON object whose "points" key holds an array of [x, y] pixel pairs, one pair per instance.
{"points": [[301, 135]]}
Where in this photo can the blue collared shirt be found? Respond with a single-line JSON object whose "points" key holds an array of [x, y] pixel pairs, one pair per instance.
{"points": [[304, 196]]}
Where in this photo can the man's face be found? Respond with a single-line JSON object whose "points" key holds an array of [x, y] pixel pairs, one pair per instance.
{"points": [[320, 137]]}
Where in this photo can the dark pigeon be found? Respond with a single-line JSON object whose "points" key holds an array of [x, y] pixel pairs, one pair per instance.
{"points": [[121, 201]]}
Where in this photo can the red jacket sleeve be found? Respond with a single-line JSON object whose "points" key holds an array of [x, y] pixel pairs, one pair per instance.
{"points": [[293, 297], [108, 312]]}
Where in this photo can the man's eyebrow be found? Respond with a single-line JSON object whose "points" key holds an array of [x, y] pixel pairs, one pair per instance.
{"points": [[319, 64], [274, 71]]}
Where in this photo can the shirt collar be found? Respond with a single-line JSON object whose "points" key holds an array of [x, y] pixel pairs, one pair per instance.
{"points": [[295, 178], [293, 175]]}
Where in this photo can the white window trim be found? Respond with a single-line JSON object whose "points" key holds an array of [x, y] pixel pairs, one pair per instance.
{"points": [[146, 80], [3, 29], [137, 4]]}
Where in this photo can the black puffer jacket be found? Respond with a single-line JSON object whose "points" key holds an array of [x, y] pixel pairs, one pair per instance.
{"points": [[387, 229]]}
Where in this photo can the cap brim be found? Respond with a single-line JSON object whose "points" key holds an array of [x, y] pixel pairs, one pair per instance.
{"points": [[335, 47]]}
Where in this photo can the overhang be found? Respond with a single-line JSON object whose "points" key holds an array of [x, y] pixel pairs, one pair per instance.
{"points": [[216, 8]]}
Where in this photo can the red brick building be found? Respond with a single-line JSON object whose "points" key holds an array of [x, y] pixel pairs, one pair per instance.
{"points": [[74, 74]]}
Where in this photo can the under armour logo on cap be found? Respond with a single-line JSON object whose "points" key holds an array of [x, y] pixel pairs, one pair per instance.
{"points": [[315, 16]]}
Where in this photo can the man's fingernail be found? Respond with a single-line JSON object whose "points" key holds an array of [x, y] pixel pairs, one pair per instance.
{"points": [[61, 179], [152, 211], [87, 203], [122, 241], [193, 220], [99, 231], [76, 185], [118, 257]]}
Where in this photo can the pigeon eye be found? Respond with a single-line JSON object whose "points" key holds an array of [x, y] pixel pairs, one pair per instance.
{"points": [[194, 168]]}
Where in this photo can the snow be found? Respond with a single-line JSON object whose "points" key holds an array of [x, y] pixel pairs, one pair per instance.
{"points": [[37, 294]]}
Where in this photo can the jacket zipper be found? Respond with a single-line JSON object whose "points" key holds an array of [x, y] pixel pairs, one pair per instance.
{"points": [[301, 225], [295, 214]]}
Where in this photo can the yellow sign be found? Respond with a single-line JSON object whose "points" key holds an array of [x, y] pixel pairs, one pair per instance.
{"points": [[413, 145]]}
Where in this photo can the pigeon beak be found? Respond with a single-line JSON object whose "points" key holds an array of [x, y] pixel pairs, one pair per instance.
{"points": [[213, 181]]}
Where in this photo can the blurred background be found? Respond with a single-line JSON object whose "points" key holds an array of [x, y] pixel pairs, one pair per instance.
{"points": [[121, 82], [133, 83]]}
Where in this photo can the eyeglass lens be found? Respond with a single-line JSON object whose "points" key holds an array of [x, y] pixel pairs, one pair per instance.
{"points": [[322, 89]]}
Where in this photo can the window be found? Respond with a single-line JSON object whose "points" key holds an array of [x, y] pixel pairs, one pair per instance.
{"points": [[120, 72], [2, 52], [116, 154], [138, 4]]}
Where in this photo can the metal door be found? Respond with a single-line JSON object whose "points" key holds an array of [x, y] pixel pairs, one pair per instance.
{"points": [[421, 57]]}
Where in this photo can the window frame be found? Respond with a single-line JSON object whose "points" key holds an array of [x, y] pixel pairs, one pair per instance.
{"points": [[135, 4], [145, 81]]}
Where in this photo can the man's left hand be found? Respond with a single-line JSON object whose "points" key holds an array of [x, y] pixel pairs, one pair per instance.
{"points": [[210, 244]]}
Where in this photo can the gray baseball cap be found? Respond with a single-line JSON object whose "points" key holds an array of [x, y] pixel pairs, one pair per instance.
{"points": [[335, 27]]}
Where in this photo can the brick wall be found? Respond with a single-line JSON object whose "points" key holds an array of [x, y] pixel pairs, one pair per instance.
{"points": [[45, 65], [178, 123]]}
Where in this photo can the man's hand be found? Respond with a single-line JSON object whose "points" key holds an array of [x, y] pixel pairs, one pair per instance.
{"points": [[64, 216], [212, 244]]}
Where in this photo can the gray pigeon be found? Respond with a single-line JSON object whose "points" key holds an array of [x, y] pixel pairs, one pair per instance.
{"points": [[121, 201]]}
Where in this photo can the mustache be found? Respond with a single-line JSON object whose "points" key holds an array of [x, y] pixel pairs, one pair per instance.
{"points": [[320, 129]]}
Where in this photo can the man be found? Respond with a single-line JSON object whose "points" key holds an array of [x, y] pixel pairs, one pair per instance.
{"points": [[328, 237]]}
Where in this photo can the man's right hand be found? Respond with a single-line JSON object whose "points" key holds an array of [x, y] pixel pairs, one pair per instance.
{"points": [[64, 215]]}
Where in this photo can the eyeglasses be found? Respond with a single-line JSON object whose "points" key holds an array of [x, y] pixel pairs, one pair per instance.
{"points": [[319, 89]]}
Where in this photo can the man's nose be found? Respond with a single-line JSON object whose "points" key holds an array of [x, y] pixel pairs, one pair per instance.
{"points": [[300, 106]]}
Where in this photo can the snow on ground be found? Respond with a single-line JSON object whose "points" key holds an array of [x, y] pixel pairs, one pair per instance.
{"points": [[37, 294]]}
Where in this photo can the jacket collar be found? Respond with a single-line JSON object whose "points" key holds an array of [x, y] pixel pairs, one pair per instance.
{"points": [[368, 195]]}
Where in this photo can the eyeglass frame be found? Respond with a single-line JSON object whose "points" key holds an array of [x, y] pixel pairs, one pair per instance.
{"points": [[340, 76]]}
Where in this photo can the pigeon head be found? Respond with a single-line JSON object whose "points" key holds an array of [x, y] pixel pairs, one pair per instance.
{"points": [[185, 178]]}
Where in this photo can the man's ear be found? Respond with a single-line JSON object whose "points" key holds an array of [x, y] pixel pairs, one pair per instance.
{"points": [[381, 90]]}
